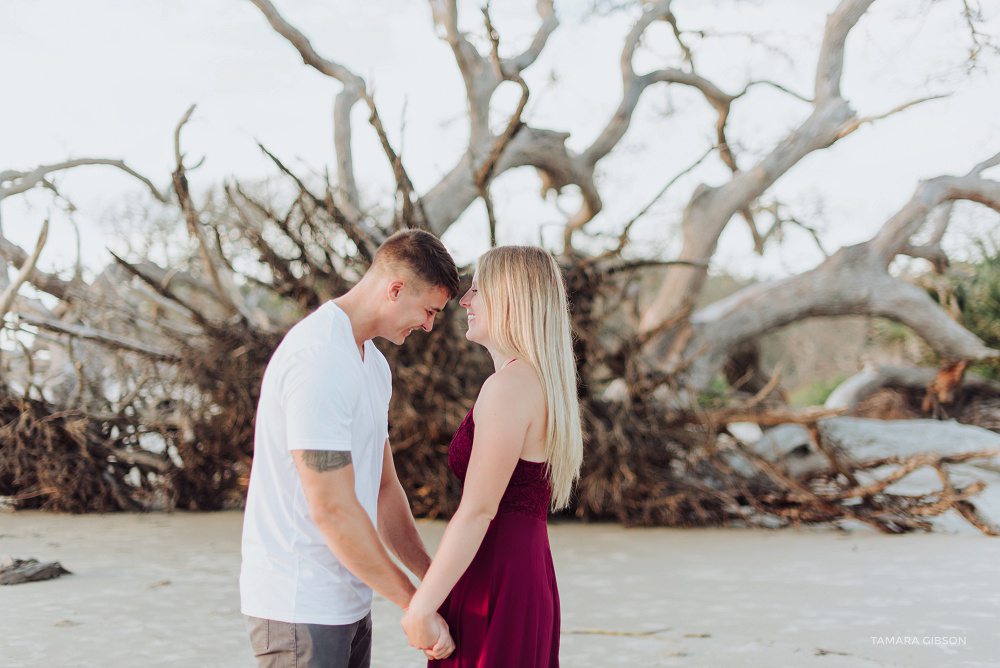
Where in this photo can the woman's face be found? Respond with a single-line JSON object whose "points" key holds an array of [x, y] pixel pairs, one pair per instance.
{"points": [[473, 303]]}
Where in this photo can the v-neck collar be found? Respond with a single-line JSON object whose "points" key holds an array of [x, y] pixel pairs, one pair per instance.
{"points": [[362, 356]]}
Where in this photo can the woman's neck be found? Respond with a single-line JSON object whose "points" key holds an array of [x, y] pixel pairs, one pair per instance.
{"points": [[499, 360]]}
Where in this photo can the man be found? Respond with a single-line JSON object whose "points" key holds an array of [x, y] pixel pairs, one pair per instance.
{"points": [[323, 477]]}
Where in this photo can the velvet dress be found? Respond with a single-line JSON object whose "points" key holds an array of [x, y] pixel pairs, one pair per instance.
{"points": [[504, 611]]}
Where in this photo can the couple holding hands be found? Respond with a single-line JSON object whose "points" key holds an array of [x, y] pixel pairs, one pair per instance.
{"points": [[324, 502]]}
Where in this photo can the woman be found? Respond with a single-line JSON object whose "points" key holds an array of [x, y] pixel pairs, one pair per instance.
{"points": [[518, 453]]}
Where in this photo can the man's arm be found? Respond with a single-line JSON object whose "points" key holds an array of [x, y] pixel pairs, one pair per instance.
{"points": [[320, 412], [395, 521], [328, 481]]}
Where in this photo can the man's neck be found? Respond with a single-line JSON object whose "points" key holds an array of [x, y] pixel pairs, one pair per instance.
{"points": [[357, 306]]}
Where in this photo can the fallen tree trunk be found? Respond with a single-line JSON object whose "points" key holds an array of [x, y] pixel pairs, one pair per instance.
{"points": [[872, 378], [885, 473]]}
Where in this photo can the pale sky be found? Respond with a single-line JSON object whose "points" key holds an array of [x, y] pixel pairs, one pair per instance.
{"points": [[111, 78]]}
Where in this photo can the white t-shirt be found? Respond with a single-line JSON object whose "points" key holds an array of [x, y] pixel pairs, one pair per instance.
{"points": [[317, 394]]}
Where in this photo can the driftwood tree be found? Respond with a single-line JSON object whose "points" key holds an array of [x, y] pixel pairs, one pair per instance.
{"points": [[152, 371]]}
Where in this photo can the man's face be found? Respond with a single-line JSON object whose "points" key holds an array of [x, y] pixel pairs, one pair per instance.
{"points": [[412, 307]]}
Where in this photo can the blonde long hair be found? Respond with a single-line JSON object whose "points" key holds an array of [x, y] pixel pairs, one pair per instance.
{"points": [[527, 316]]}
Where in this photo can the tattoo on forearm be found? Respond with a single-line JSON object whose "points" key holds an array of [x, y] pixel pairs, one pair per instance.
{"points": [[326, 460]]}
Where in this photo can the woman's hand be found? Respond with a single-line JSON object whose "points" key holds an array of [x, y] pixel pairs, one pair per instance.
{"points": [[442, 648], [427, 631]]}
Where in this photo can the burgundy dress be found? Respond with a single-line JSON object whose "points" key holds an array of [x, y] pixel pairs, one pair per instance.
{"points": [[504, 611]]}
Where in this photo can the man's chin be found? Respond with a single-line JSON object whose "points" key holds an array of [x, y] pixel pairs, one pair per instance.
{"points": [[395, 340]]}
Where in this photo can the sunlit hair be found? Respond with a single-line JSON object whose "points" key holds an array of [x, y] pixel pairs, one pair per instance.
{"points": [[527, 317], [423, 255]]}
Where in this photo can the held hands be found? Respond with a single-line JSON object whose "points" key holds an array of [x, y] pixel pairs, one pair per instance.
{"points": [[428, 632]]}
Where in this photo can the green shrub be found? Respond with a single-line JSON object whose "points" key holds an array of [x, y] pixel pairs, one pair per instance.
{"points": [[815, 393], [977, 292]]}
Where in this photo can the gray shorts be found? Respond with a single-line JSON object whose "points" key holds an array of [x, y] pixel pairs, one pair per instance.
{"points": [[285, 645]]}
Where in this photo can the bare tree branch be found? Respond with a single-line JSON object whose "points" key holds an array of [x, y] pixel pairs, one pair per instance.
{"points": [[623, 239], [939, 220], [772, 84], [50, 283], [855, 123], [365, 237], [511, 67], [14, 182], [633, 85], [895, 235], [781, 219], [220, 275], [7, 298], [102, 337], [872, 378], [711, 208], [485, 173], [543, 149], [831, 56], [989, 163], [354, 90], [411, 205], [853, 281], [480, 78], [163, 288]]}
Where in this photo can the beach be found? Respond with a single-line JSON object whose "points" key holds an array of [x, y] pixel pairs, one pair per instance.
{"points": [[161, 589]]}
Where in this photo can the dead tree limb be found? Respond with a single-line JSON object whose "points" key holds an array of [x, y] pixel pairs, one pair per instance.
{"points": [[28, 266], [353, 90], [14, 182], [105, 338]]}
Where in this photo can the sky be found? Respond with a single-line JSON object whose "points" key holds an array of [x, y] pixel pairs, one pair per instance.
{"points": [[111, 78]]}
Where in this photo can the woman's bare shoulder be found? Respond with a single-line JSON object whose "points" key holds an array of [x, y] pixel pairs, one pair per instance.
{"points": [[515, 389]]}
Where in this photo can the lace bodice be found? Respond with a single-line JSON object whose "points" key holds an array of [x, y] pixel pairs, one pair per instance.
{"points": [[527, 493]]}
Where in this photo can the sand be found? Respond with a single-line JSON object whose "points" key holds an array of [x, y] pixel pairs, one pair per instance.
{"points": [[161, 590]]}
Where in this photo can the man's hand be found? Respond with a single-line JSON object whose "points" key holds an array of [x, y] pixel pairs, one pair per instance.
{"points": [[428, 633]]}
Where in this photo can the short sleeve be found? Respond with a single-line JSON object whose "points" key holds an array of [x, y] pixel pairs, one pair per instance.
{"points": [[320, 396]]}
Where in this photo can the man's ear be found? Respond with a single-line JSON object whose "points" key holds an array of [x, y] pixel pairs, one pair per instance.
{"points": [[395, 289]]}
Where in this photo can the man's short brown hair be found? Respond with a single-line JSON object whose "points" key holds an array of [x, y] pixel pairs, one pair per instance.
{"points": [[424, 255]]}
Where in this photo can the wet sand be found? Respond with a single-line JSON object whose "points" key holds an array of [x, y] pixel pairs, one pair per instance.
{"points": [[161, 590]]}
